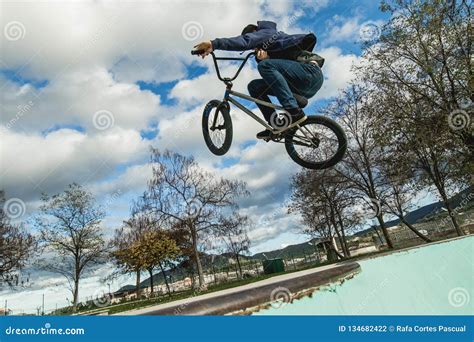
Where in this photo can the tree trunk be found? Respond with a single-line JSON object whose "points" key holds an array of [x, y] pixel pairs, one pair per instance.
{"points": [[377, 232], [413, 229], [137, 285], [340, 239], [196, 257], [343, 234], [77, 275], [385, 231], [238, 264], [75, 295], [150, 271], [452, 215], [166, 279], [444, 197]]}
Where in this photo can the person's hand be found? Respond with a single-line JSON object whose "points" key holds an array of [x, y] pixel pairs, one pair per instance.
{"points": [[206, 47], [261, 54]]}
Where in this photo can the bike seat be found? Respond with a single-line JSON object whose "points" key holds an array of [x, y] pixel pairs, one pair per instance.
{"points": [[301, 100]]}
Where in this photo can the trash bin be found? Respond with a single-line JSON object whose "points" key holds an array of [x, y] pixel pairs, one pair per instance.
{"points": [[273, 266]]}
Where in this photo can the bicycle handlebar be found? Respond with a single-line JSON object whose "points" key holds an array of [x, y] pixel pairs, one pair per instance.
{"points": [[215, 59]]}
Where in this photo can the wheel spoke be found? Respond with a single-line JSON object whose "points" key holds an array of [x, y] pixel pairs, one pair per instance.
{"points": [[314, 143]]}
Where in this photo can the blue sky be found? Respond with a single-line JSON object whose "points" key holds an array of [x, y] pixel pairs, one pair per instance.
{"points": [[87, 87]]}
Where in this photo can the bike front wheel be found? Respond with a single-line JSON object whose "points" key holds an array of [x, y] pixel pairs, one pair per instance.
{"points": [[318, 143], [217, 127]]}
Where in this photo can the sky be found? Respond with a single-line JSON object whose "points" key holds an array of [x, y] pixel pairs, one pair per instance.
{"points": [[88, 86]]}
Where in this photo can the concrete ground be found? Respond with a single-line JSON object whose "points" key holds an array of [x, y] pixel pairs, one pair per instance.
{"points": [[283, 287]]}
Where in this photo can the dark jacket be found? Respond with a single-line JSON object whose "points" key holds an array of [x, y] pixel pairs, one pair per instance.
{"points": [[267, 38]]}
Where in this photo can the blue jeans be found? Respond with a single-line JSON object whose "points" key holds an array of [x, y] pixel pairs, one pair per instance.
{"points": [[282, 78]]}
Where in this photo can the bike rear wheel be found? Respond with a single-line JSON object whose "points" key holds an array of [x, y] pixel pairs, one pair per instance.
{"points": [[318, 143], [217, 127]]}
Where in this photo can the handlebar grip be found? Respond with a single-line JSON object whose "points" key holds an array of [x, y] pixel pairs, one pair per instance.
{"points": [[197, 52]]}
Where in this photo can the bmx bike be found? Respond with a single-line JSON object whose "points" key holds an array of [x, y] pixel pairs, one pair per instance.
{"points": [[316, 143]]}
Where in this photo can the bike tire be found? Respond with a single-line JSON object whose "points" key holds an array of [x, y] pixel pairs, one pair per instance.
{"points": [[222, 110], [330, 124]]}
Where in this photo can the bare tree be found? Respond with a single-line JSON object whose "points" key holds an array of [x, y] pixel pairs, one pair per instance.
{"points": [[233, 232], [16, 247], [399, 192], [359, 167], [425, 53], [69, 229], [323, 199], [421, 71], [181, 193]]}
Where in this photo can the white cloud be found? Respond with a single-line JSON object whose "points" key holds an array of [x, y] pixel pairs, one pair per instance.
{"points": [[32, 163], [337, 71], [348, 29]]}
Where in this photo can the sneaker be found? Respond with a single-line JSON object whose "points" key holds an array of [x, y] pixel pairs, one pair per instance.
{"points": [[283, 121], [297, 116], [266, 134]]}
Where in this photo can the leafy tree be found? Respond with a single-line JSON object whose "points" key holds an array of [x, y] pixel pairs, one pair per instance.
{"points": [[156, 248], [123, 245], [69, 229], [126, 257]]}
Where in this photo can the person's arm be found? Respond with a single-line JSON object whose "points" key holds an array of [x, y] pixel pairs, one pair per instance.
{"points": [[241, 43]]}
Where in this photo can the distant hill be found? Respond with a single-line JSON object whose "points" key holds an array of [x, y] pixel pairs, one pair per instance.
{"points": [[426, 212], [295, 251]]}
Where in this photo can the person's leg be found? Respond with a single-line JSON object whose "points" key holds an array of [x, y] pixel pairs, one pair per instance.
{"points": [[313, 83], [259, 89], [286, 77]]}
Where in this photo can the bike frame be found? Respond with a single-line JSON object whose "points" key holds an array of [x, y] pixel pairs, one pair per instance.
{"points": [[229, 92]]}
